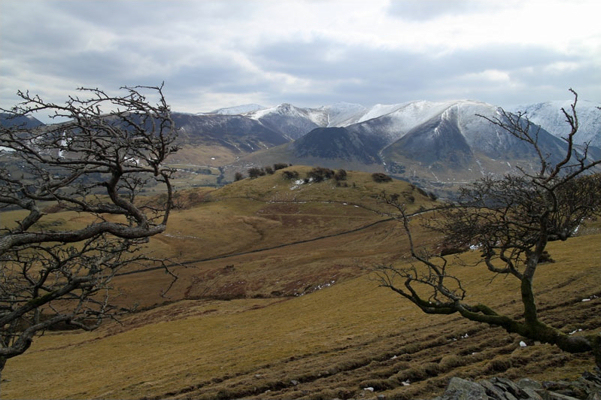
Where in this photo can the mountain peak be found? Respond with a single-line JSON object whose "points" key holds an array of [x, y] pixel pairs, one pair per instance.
{"points": [[549, 115]]}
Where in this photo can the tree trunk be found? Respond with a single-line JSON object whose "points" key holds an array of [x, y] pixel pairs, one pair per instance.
{"points": [[2, 364], [596, 345]]}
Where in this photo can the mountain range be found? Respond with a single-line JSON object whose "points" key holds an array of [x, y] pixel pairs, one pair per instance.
{"points": [[437, 145]]}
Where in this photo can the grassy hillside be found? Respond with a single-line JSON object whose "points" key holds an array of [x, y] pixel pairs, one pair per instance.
{"points": [[275, 299]]}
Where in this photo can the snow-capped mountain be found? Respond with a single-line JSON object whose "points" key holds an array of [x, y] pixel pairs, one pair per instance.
{"points": [[293, 122], [238, 110], [434, 144], [458, 144], [550, 117]]}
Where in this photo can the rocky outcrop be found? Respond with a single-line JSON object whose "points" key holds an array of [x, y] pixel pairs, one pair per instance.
{"points": [[588, 387]]}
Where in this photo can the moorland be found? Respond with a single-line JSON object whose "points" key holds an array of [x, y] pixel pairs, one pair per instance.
{"points": [[275, 297]]}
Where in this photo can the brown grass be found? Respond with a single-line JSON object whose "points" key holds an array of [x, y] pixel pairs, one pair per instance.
{"points": [[270, 313]]}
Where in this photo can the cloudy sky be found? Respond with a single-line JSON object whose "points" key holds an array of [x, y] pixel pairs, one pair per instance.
{"points": [[214, 54]]}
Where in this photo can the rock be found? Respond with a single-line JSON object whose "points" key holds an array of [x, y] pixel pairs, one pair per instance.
{"points": [[461, 389], [558, 396], [509, 388], [526, 383], [492, 390], [588, 387]]}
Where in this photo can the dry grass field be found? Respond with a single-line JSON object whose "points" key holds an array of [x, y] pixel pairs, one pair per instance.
{"points": [[275, 300]]}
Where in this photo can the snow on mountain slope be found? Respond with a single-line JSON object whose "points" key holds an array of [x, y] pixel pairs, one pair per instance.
{"points": [[410, 115], [343, 114], [237, 110], [380, 110], [550, 117], [281, 109], [392, 121], [479, 132], [293, 122], [491, 140]]}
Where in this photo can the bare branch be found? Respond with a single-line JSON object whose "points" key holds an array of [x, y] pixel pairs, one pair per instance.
{"points": [[510, 220], [109, 151]]}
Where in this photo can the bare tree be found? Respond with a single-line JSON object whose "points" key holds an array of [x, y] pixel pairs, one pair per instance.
{"points": [[510, 220], [97, 163]]}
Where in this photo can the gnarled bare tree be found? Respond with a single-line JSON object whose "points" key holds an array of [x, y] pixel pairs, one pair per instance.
{"points": [[511, 220], [108, 150]]}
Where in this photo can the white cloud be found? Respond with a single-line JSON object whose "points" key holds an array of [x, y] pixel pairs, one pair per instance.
{"points": [[490, 75]]}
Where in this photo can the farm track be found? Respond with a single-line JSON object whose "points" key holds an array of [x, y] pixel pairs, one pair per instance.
{"points": [[237, 254]]}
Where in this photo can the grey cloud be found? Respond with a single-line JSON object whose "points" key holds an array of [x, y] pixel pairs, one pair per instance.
{"points": [[311, 60], [368, 75], [327, 60], [155, 17], [197, 48], [424, 10]]}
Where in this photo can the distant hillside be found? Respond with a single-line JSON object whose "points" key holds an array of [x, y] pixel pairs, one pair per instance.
{"points": [[219, 139], [339, 143], [7, 120]]}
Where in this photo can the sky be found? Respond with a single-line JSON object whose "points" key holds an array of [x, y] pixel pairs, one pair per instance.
{"points": [[213, 54]]}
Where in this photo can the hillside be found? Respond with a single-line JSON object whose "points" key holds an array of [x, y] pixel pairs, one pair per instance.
{"points": [[275, 299]]}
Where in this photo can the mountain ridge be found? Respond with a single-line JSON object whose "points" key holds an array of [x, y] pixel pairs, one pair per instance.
{"points": [[546, 114], [437, 145]]}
